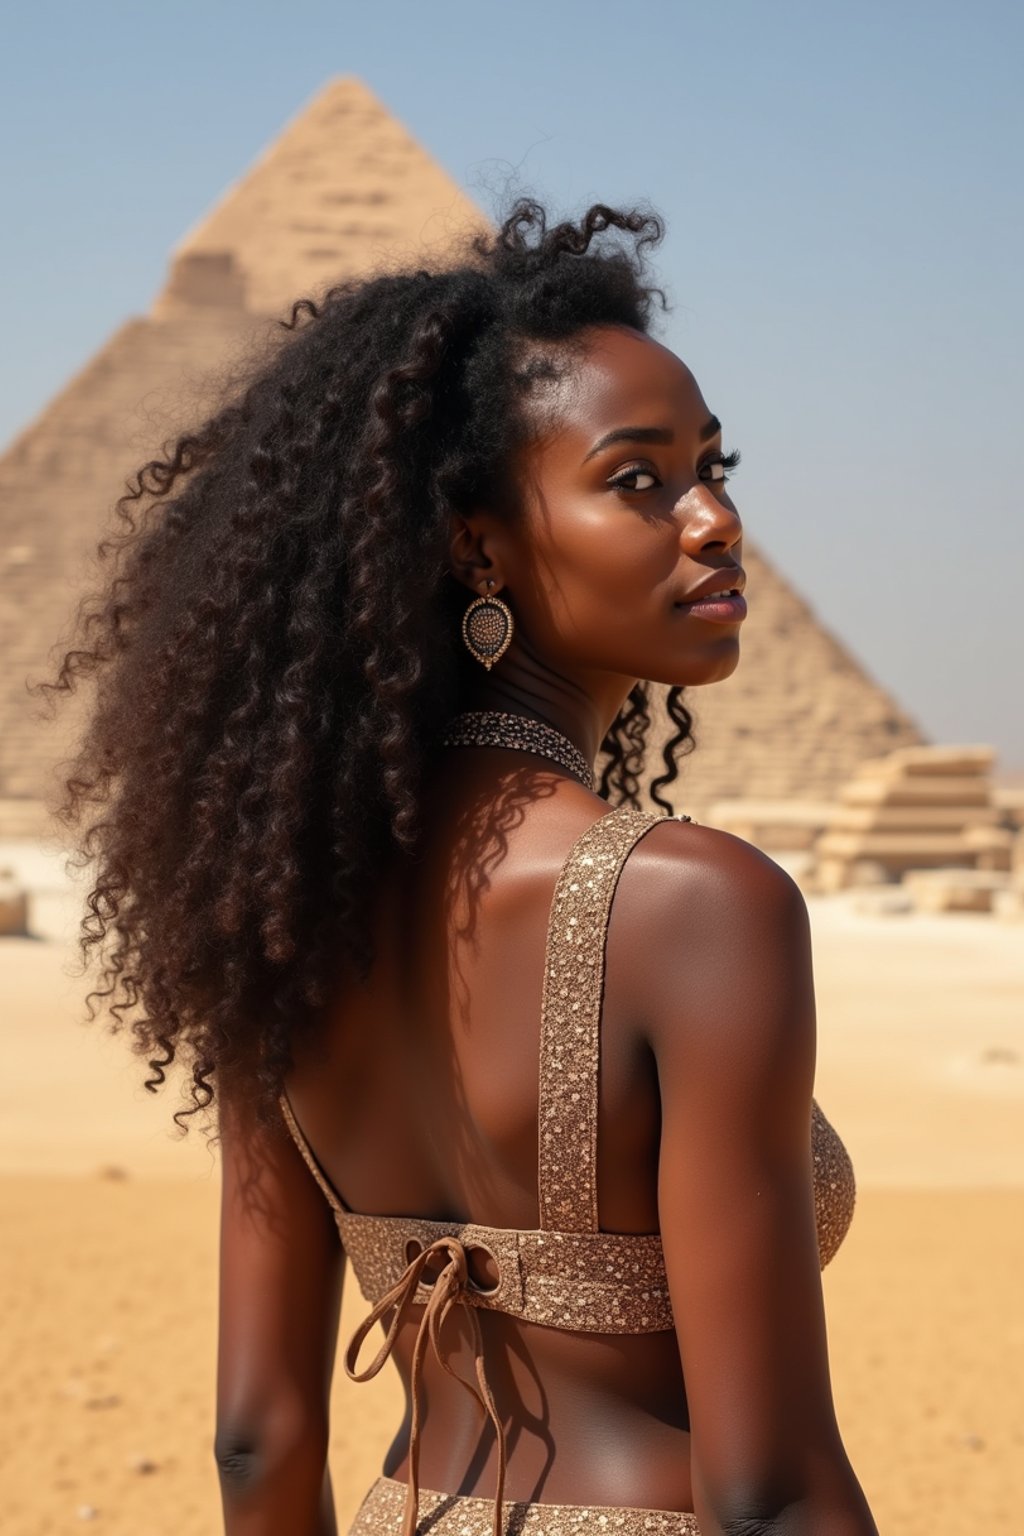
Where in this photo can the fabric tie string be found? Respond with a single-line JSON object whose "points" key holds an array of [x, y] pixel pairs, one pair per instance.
{"points": [[450, 1289]]}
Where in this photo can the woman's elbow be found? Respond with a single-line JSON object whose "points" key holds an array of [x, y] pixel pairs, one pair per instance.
{"points": [[238, 1459], [250, 1455]]}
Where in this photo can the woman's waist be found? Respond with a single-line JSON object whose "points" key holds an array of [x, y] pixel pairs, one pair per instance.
{"points": [[587, 1418], [528, 1362], [594, 1396]]}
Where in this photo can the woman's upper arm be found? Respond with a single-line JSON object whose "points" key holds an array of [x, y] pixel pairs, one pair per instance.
{"points": [[733, 1034], [281, 1274]]}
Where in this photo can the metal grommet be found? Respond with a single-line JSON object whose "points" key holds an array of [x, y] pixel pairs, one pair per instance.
{"points": [[483, 1290]]}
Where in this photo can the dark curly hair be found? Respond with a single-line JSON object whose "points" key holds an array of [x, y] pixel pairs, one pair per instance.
{"points": [[269, 683]]}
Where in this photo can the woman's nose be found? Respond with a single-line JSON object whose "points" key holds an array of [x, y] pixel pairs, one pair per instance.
{"points": [[708, 518]]}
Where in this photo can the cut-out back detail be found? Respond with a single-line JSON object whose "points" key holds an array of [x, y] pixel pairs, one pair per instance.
{"points": [[566, 1273]]}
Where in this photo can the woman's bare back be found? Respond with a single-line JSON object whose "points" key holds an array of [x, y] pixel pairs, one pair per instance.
{"points": [[422, 1100]]}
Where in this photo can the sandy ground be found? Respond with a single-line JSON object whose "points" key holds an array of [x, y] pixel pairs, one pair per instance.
{"points": [[108, 1267]]}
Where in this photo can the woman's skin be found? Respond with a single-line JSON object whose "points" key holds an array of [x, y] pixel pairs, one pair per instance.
{"points": [[422, 1099]]}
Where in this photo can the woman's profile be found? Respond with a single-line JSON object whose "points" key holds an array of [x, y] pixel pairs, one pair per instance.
{"points": [[536, 1063]]}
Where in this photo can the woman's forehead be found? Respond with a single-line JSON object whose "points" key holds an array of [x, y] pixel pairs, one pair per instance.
{"points": [[623, 378]]}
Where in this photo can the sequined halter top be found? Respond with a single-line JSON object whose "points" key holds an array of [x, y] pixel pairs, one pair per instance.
{"points": [[567, 1273]]}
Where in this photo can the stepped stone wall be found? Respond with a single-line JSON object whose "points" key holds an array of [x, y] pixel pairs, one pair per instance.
{"points": [[918, 809], [345, 190]]}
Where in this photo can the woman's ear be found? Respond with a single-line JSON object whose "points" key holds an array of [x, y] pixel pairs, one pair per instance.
{"points": [[470, 552]]}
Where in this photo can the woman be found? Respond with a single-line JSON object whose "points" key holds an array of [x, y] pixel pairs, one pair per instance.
{"points": [[382, 614]]}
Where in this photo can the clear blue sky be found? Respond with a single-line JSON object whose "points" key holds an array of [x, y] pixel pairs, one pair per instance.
{"points": [[841, 185]]}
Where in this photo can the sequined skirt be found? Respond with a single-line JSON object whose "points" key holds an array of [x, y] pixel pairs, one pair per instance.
{"points": [[463, 1514]]}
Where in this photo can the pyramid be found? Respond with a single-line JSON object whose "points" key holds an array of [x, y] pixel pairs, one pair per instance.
{"points": [[343, 191]]}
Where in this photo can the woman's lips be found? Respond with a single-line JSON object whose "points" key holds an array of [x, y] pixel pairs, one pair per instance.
{"points": [[719, 609]]}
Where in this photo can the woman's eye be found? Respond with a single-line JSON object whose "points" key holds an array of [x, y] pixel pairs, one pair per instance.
{"points": [[716, 470], [713, 471], [637, 473]]}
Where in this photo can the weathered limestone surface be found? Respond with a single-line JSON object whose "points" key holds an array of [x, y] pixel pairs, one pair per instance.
{"points": [[344, 189], [931, 809], [789, 825], [953, 890]]}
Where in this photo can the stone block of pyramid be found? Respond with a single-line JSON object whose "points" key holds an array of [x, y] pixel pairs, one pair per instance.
{"points": [[954, 890], [917, 808]]}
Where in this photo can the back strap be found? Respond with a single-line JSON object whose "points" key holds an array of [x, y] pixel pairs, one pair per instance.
{"points": [[571, 1018], [299, 1137]]}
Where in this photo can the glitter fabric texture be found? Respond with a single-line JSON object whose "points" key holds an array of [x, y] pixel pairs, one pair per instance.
{"points": [[570, 1020], [835, 1189], [600, 1282], [457, 1514]]}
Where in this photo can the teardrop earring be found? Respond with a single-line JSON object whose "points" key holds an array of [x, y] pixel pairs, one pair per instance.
{"points": [[487, 626]]}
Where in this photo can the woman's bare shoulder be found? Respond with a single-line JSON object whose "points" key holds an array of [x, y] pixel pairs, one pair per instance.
{"points": [[689, 863], [711, 922]]}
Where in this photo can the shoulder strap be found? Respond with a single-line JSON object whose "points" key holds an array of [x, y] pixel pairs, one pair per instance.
{"points": [[571, 1018], [337, 1205]]}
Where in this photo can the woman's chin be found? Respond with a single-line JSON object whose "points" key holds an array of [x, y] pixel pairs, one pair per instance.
{"points": [[701, 671]]}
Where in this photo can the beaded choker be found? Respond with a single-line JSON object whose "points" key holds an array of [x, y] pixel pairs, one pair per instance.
{"points": [[499, 728]]}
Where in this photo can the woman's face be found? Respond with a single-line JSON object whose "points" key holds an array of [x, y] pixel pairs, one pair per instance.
{"points": [[617, 534]]}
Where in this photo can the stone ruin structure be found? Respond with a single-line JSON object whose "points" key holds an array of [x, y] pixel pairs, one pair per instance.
{"points": [[929, 818], [343, 191]]}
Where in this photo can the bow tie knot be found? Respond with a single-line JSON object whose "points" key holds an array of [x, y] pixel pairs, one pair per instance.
{"points": [[450, 1288]]}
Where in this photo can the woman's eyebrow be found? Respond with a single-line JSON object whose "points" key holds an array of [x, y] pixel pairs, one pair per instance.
{"points": [[710, 429]]}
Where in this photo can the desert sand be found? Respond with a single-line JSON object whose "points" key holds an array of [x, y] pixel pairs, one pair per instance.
{"points": [[108, 1269]]}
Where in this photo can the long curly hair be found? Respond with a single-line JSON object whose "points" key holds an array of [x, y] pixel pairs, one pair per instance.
{"points": [[269, 682]]}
